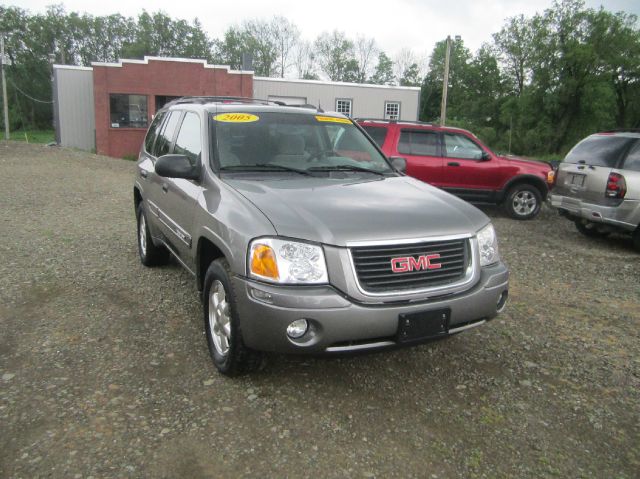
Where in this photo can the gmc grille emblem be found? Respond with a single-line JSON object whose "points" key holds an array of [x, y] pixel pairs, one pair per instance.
{"points": [[404, 264]]}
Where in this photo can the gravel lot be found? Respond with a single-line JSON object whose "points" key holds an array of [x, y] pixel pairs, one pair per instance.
{"points": [[105, 372]]}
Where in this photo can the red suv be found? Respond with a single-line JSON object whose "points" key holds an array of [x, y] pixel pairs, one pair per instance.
{"points": [[456, 161]]}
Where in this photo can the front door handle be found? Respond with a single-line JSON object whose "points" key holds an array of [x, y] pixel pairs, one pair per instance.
{"points": [[453, 163], [144, 173], [165, 187]]}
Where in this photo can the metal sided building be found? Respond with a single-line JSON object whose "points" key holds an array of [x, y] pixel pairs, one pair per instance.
{"points": [[357, 100], [108, 107]]}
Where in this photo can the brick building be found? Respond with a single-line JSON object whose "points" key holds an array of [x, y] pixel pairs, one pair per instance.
{"points": [[108, 107], [118, 100]]}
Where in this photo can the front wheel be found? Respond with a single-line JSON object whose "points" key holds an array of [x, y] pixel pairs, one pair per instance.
{"points": [[222, 325], [523, 202]]}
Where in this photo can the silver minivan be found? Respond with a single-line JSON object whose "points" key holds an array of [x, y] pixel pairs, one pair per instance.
{"points": [[598, 185]]}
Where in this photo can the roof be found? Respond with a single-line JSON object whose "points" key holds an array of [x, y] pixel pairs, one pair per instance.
{"points": [[429, 126], [329, 82]]}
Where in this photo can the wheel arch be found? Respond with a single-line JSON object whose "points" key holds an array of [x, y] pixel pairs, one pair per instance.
{"points": [[206, 252], [540, 185]]}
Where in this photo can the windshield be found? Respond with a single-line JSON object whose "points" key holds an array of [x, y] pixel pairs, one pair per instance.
{"points": [[292, 142]]}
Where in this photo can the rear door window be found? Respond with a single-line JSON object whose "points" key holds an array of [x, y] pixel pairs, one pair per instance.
{"points": [[421, 143], [599, 150], [377, 134], [165, 137]]}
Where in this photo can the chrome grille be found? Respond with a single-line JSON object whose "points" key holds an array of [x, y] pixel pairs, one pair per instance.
{"points": [[373, 265]]}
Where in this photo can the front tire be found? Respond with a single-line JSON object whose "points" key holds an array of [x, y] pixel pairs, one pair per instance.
{"points": [[222, 324], [523, 202], [150, 254]]}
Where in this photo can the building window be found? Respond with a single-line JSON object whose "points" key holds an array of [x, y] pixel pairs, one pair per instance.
{"points": [[391, 110], [343, 106], [128, 111]]}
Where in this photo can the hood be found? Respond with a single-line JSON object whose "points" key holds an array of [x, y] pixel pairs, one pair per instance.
{"points": [[335, 212], [528, 164]]}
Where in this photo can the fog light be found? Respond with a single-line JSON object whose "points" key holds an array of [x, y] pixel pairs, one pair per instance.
{"points": [[502, 301], [298, 328]]}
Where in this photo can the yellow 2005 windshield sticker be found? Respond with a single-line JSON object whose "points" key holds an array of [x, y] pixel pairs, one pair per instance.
{"points": [[236, 117], [332, 119]]}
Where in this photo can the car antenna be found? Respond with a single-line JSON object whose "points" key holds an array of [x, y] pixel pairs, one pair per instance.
{"points": [[320, 110]]}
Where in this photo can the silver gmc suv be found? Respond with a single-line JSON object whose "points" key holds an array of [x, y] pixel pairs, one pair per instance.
{"points": [[303, 237], [598, 185]]}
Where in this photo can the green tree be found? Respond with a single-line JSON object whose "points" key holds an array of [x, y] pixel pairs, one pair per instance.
{"points": [[431, 93], [335, 57], [383, 74]]}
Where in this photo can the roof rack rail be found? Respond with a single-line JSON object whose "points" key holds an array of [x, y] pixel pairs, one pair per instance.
{"points": [[201, 100], [412, 122], [623, 130]]}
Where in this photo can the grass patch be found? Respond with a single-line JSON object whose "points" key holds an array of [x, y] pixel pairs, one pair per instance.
{"points": [[33, 136]]}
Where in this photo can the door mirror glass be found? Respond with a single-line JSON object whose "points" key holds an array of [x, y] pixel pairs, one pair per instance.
{"points": [[485, 156], [177, 166]]}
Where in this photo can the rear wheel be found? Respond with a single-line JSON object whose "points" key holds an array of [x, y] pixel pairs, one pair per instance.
{"points": [[592, 230], [523, 201], [636, 239], [150, 254], [222, 324]]}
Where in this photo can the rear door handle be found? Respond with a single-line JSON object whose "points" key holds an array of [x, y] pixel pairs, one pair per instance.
{"points": [[453, 163], [144, 173], [165, 187]]}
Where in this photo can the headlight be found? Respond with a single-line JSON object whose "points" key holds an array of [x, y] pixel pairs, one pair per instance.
{"points": [[488, 246], [284, 261]]}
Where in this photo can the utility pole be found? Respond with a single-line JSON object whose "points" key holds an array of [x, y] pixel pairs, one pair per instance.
{"points": [[4, 91], [445, 83]]}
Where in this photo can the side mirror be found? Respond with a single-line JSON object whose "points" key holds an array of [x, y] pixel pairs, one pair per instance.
{"points": [[177, 166], [399, 163], [485, 156]]}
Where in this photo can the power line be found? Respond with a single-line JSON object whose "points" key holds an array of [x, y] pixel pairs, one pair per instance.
{"points": [[26, 94]]}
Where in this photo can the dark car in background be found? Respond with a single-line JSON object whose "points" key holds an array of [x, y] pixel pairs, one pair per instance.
{"points": [[598, 185], [456, 161]]}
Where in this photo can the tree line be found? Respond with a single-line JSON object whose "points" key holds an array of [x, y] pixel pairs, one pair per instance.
{"points": [[540, 84]]}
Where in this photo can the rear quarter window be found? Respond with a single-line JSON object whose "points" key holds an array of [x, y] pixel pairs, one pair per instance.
{"points": [[632, 162], [377, 134], [153, 132], [599, 150]]}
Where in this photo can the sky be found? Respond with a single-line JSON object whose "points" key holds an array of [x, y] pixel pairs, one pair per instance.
{"points": [[394, 24]]}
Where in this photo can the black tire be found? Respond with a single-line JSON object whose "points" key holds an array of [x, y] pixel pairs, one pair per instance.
{"points": [[150, 254], [592, 230], [636, 239], [523, 201], [237, 359]]}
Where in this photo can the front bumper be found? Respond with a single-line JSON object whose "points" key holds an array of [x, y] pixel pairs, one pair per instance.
{"points": [[339, 324], [625, 216]]}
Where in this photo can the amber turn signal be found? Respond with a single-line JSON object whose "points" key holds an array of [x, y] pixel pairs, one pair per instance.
{"points": [[263, 262]]}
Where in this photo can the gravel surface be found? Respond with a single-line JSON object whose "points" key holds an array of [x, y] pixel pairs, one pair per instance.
{"points": [[104, 370]]}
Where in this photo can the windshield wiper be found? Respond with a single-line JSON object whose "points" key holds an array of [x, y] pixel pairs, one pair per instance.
{"points": [[264, 167], [348, 168]]}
